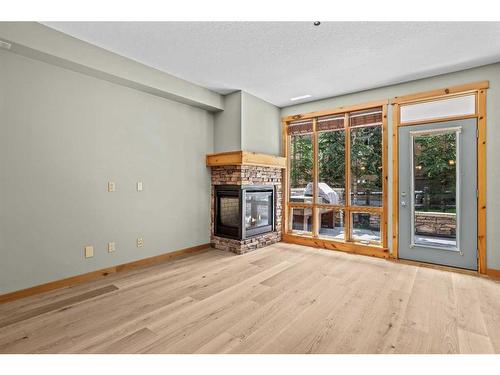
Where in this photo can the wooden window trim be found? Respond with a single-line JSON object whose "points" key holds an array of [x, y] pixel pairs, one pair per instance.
{"points": [[351, 247], [441, 93], [375, 249], [479, 89], [347, 194], [336, 111]]}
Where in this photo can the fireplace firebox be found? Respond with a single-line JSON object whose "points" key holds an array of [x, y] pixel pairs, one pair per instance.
{"points": [[243, 211]]}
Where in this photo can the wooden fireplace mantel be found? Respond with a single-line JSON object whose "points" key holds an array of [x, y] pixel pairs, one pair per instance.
{"points": [[245, 158]]}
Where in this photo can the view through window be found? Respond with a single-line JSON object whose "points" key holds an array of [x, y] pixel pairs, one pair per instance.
{"points": [[434, 189], [336, 174]]}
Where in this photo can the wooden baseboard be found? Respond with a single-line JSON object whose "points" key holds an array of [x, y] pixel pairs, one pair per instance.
{"points": [[99, 273], [493, 273]]}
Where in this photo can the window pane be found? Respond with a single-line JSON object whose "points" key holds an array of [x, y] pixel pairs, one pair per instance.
{"points": [[366, 166], [434, 189], [366, 117], [331, 223], [457, 106], [331, 167], [301, 220], [365, 227], [330, 123], [301, 166], [300, 127]]}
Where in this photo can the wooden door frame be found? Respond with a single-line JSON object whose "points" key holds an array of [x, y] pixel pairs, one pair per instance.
{"points": [[479, 89]]}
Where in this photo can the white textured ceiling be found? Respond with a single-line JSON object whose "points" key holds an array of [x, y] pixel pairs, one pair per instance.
{"points": [[280, 60]]}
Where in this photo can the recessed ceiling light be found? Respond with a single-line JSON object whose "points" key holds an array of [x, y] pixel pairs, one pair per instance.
{"points": [[316, 23], [300, 97]]}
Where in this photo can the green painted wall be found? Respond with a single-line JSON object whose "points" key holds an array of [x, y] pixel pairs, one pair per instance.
{"points": [[227, 128], [259, 133], [247, 123], [64, 135]]}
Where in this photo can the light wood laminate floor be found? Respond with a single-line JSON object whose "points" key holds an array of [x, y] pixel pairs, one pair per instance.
{"points": [[281, 299]]}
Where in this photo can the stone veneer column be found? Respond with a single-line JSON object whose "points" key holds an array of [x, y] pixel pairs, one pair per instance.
{"points": [[247, 175]]}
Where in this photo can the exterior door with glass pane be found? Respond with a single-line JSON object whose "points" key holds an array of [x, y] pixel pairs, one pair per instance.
{"points": [[438, 193]]}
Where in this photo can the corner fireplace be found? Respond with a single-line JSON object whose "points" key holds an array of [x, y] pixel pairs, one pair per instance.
{"points": [[243, 211]]}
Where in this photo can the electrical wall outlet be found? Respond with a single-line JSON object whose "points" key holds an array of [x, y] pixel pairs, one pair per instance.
{"points": [[111, 247], [89, 251], [140, 242], [111, 186], [139, 185]]}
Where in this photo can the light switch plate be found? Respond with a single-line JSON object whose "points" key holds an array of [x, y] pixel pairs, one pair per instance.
{"points": [[140, 242], [111, 247], [89, 251], [139, 185], [111, 186]]}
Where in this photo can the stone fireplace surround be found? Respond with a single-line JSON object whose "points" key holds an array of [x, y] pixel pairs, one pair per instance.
{"points": [[268, 172]]}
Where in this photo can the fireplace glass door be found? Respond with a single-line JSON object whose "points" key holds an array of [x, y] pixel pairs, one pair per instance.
{"points": [[258, 212], [228, 214], [230, 211], [243, 211]]}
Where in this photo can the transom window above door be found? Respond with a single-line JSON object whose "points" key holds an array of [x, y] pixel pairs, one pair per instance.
{"points": [[336, 176], [458, 106]]}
